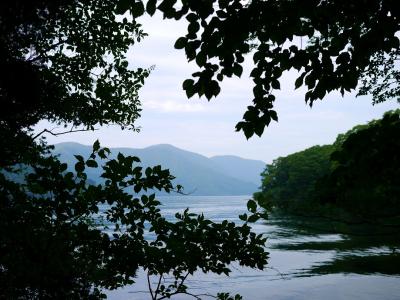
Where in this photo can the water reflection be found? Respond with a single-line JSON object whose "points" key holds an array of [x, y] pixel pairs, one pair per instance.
{"points": [[308, 260], [361, 249]]}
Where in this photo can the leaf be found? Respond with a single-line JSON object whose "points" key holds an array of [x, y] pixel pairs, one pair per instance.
{"points": [[63, 167], [237, 70], [102, 154], [215, 88], [122, 6], [137, 9], [91, 163], [252, 206], [253, 218], [246, 128], [187, 84], [79, 157], [120, 156], [259, 128], [180, 43], [243, 217], [96, 146], [273, 115], [201, 59], [79, 167], [151, 7], [137, 188], [193, 28], [275, 84], [299, 81]]}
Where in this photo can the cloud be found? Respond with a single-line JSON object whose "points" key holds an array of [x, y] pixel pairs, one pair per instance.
{"points": [[173, 106]]}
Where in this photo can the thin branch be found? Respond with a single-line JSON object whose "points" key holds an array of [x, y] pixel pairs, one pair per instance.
{"points": [[179, 191], [43, 53], [149, 284], [183, 280], [197, 296], [158, 286], [178, 291], [60, 133]]}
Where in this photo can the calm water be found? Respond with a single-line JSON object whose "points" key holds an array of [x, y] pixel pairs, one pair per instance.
{"points": [[304, 263]]}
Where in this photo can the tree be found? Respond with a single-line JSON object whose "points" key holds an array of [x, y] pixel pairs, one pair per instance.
{"points": [[365, 179], [288, 184], [62, 236], [355, 180], [64, 61], [53, 243], [333, 45]]}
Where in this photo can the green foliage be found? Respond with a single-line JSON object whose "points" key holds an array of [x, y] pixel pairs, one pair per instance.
{"points": [[52, 244], [366, 179], [69, 59], [332, 44], [357, 177], [288, 183], [226, 296], [64, 61], [61, 236]]}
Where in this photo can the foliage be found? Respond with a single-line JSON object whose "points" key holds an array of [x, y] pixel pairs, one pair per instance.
{"points": [[64, 61], [381, 77], [52, 244], [365, 180], [357, 177], [69, 57], [288, 183], [61, 236], [332, 44]]}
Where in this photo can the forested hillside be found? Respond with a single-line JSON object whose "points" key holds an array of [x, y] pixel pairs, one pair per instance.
{"points": [[357, 176]]}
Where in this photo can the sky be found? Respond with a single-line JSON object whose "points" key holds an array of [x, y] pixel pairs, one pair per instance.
{"points": [[208, 128]]}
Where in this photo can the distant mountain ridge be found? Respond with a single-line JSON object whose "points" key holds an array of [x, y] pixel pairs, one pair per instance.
{"points": [[198, 174]]}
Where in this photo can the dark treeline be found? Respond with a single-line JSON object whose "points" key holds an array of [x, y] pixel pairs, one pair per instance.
{"points": [[355, 180]]}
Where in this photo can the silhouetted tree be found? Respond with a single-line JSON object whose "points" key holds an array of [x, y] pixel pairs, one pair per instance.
{"points": [[61, 236], [333, 44]]}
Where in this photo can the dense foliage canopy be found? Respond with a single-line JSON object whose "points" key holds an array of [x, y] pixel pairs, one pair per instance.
{"points": [[365, 180], [358, 174], [333, 44], [64, 61], [61, 236], [288, 183]]}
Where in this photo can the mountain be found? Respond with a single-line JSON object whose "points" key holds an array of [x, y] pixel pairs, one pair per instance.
{"points": [[244, 169], [198, 174]]}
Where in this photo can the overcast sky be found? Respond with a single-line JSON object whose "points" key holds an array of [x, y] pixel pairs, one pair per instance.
{"points": [[208, 128]]}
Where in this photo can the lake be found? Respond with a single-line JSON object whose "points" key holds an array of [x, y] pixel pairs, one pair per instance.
{"points": [[306, 262]]}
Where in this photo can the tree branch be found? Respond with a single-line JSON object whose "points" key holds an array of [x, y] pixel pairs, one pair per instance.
{"points": [[149, 285], [158, 286], [60, 133], [178, 291]]}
